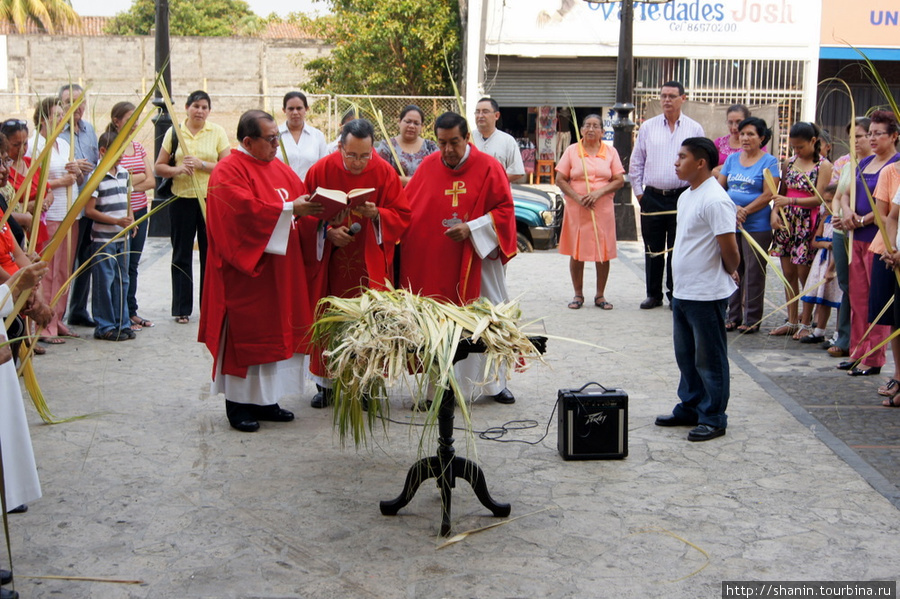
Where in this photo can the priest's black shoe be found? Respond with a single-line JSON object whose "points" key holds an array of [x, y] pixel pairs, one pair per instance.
{"points": [[504, 396], [8, 594], [82, 321], [21, 509], [273, 413], [5, 577], [241, 417], [651, 302], [673, 420], [322, 398], [705, 432]]}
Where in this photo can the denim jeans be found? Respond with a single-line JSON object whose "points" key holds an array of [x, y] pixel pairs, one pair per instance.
{"points": [[701, 352], [136, 247], [109, 278]]}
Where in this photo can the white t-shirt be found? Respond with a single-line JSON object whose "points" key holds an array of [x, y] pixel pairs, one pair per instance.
{"points": [[304, 153], [59, 157], [703, 214], [504, 148]]}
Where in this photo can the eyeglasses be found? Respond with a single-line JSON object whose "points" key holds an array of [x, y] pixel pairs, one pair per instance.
{"points": [[871, 134], [357, 157], [272, 139], [480, 112]]}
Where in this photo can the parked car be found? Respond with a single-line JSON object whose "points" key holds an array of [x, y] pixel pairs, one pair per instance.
{"points": [[539, 213]]}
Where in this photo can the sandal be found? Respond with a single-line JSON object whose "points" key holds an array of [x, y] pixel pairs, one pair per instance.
{"points": [[601, 303], [787, 328], [52, 340], [748, 329], [837, 352], [732, 326], [141, 323], [891, 402], [38, 350], [802, 331], [890, 389], [182, 319], [576, 303]]}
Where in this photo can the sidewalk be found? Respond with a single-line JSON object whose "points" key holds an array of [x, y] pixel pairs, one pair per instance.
{"points": [[157, 487]]}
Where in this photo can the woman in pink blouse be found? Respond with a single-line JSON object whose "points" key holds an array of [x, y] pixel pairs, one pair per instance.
{"points": [[589, 173]]}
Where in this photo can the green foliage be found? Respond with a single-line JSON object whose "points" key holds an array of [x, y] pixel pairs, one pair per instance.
{"points": [[388, 47], [45, 13], [188, 17]]}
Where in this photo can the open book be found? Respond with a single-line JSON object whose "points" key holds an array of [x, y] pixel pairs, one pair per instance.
{"points": [[335, 200]]}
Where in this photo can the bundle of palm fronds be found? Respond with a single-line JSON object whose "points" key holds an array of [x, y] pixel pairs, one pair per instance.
{"points": [[384, 338]]}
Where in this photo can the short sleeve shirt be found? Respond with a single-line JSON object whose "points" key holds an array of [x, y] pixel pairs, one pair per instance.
{"points": [[745, 184], [504, 148]]}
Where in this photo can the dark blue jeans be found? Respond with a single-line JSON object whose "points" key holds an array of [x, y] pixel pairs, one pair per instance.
{"points": [[135, 248], [701, 351]]}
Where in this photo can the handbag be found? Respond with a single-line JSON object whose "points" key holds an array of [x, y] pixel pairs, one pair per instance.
{"points": [[164, 189]]}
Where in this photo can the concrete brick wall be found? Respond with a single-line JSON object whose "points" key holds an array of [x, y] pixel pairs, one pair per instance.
{"points": [[238, 73]]}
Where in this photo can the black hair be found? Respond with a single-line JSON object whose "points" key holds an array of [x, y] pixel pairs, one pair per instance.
{"points": [[10, 126], [450, 120], [702, 148], [358, 128], [410, 108], [291, 96], [738, 108], [765, 134], [248, 125], [808, 131], [494, 105], [4, 144], [832, 188], [674, 84], [196, 97]]}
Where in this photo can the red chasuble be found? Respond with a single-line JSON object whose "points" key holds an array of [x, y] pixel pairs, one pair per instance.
{"points": [[431, 263], [363, 263], [264, 296]]}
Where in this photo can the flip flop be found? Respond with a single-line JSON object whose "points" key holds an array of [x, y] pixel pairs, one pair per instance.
{"points": [[52, 340], [576, 303], [141, 322], [182, 319]]}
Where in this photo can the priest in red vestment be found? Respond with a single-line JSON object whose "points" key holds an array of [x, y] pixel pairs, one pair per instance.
{"points": [[462, 232], [256, 310], [346, 263]]}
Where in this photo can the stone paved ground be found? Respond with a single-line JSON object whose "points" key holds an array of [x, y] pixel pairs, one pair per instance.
{"points": [[156, 487]]}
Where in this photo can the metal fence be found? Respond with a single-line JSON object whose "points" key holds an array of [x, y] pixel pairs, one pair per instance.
{"points": [[727, 81]]}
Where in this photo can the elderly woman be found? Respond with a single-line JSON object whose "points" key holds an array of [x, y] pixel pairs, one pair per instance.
{"points": [[200, 146], [62, 176], [409, 147], [589, 173], [743, 176], [302, 145], [870, 286]]}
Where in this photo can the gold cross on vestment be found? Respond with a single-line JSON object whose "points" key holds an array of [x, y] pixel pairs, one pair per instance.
{"points": [[458, 188]]}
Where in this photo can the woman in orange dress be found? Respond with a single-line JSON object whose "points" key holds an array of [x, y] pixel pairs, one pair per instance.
{"points": [[588, 174]]}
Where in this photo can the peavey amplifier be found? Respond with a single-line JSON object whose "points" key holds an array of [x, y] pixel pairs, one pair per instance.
{"points": [[593, 423]]}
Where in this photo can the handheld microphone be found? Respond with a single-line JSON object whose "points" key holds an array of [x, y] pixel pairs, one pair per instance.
{"points": [[354, 229]]}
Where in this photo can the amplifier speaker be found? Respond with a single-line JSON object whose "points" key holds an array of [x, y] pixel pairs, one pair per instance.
{"points": [[593, 423]]}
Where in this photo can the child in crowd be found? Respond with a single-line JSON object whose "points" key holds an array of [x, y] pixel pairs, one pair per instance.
{"points": [[108, 208], [822, 291]]}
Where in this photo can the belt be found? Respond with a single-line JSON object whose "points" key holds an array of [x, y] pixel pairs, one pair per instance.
{"points": [[664, 192]]}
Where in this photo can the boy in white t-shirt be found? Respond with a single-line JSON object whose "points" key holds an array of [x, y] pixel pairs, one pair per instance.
{"points": [[704, 261]]}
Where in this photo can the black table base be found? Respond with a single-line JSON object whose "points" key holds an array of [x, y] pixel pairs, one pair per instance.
{"points": [[446, 467]]}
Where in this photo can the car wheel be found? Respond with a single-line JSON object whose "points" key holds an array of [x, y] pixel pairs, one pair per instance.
{"points": [[523, 244]]}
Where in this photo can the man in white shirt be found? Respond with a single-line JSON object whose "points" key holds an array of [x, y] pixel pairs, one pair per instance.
{"points": [[498, 144], [704, 263], [657, 187]]}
